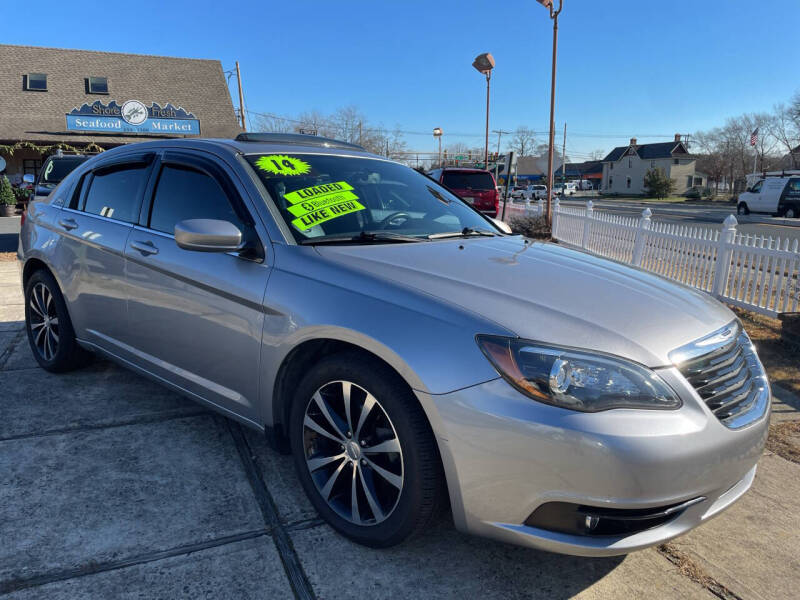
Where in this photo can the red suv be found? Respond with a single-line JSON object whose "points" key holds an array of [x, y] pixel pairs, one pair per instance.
{"points": [[475, 186]]}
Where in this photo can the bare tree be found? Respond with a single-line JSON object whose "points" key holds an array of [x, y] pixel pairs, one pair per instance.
{"points": [[271, 124], [786, 130], [524, 141], [597, 155]]}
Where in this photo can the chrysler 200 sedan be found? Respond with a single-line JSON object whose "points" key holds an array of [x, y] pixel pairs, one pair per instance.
{"points": [[405, 349]]}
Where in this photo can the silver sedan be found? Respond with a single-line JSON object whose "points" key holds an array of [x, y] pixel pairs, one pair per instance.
{"points": [[405, 349]]}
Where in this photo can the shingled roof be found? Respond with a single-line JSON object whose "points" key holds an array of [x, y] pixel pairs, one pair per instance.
{"points": [[648, 151], [197, 85]]}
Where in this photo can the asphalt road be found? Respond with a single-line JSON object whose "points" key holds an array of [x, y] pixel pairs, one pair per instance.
{"points": [[698, 215]]}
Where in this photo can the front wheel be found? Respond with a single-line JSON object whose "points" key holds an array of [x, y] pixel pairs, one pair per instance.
{"points": [[790, 212], [364, 451], [742, 209]]}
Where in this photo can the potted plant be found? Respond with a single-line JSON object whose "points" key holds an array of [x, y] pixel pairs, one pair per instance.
{"points": [[8, 201]]}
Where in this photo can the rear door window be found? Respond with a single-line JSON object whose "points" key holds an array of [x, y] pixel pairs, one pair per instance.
{"points": [[456, 180], [185, 193], [116, 192]]}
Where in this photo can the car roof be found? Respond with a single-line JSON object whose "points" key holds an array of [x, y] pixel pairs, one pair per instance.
{"points": [[255, 143], [464, 169]]}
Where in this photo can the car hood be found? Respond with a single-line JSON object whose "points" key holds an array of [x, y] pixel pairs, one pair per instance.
{"points": [[548, 293]]}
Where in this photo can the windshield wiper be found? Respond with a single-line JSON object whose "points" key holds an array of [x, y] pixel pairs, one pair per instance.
{"points": [[365, 237], [466, 232]]}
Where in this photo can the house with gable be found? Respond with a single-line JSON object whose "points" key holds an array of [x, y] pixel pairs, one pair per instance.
{"points": [[624, 167]]}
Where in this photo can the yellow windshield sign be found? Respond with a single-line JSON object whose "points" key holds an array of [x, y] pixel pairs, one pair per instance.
{"points": [[319, 203], [281, 164]]}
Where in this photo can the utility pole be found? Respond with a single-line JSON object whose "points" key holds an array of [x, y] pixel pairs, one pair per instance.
{"points": [[564, 160], [360, 142], [241, 96], [554, 17], [499, 133]]}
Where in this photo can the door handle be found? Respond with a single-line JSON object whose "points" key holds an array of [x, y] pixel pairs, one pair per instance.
{"points": [[68, 224], [145, 248]]}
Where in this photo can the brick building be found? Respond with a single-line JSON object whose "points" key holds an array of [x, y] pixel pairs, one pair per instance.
{"points": [[87, 101]]}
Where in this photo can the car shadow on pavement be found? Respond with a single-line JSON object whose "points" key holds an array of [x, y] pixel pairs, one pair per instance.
{"points": [[8, 242], [442, 562]]}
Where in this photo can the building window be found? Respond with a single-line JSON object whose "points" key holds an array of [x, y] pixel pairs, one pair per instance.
{"points": [[611, 166], [652, 164], [36, 82], [31, 166], [676, 161], [628, 183], [97, 85], [630, 163], [610, 182]]}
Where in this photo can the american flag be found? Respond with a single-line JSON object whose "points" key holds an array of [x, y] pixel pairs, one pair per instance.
{"points": [[754, 137]]}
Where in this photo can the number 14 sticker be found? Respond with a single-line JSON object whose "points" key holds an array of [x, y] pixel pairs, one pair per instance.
{"points": [[281, 164]]}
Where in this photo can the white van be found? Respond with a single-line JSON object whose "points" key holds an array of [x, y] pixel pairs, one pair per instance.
{"points": [[779, 196], [585, 185]]}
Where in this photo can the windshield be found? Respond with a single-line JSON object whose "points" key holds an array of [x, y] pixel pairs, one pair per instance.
{"points": [[466, 180], [323, 195], [58, 168]]}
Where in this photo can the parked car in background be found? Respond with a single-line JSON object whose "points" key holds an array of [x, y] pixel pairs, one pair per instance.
{"points": [[585, 185], [535, 192], [407, 352], [779, 196], [564, 189], [475, 186], [53, 171]]}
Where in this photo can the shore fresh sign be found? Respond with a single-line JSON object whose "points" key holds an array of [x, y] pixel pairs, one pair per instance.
{"points": [[133, 117]]}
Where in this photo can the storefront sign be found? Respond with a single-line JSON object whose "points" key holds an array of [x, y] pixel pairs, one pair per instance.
{"points": [[133, 117]]}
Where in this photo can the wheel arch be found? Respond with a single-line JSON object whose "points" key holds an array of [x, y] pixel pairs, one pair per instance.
{"points": [[32, 265], [310, 351]]}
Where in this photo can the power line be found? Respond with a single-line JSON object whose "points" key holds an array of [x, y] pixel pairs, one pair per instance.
{"points": [[543, 132]]}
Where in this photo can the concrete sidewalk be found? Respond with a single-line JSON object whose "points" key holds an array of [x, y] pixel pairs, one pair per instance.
{"points": [[111, 486]]}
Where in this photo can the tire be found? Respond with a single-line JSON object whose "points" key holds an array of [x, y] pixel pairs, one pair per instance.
{"points": [[790, 212], [406, 491], [742, 209], [49, 328]]}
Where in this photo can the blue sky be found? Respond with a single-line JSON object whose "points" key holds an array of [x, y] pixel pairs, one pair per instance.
{"points": [[626, 67]]}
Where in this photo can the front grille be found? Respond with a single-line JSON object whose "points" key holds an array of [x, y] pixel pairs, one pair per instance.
{"points": [[725, 372]]}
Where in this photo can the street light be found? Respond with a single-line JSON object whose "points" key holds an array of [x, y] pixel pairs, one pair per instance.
{"points": [[484, 63], [437, 133], [548, 4]]}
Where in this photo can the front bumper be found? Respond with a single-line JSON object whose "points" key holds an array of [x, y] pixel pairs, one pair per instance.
{"points": [[505, 455]]}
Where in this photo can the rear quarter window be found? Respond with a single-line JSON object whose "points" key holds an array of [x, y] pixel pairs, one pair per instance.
{"points": [[468, 181]]}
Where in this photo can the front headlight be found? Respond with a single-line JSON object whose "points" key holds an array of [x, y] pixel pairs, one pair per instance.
{"points": [[574, 379]]}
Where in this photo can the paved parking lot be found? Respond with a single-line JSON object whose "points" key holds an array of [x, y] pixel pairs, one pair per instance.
{"points": [[111, 487]]}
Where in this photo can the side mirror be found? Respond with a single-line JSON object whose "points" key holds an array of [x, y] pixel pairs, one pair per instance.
{"points": [[28, 178], [43, 190], [502, 226], [208, 235]]}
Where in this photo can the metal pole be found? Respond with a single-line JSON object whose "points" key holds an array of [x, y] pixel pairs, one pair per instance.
{"points": [[241, 96], [486, 145], [440, 151], [564, 160], [554, 16]]}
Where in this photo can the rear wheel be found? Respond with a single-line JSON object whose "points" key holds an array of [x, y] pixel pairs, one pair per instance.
{"points": [[790, 212], [742, 209], [48, 325], [364, 451]]}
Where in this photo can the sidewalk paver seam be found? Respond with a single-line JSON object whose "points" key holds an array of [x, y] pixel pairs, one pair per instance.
{"points": [[688, 568], [283, 544], [92, 568], [6, 354], [141, 420], [304, 524]]}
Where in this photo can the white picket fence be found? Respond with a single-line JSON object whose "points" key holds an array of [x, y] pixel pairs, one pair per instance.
{"points": [[759, 273]]}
